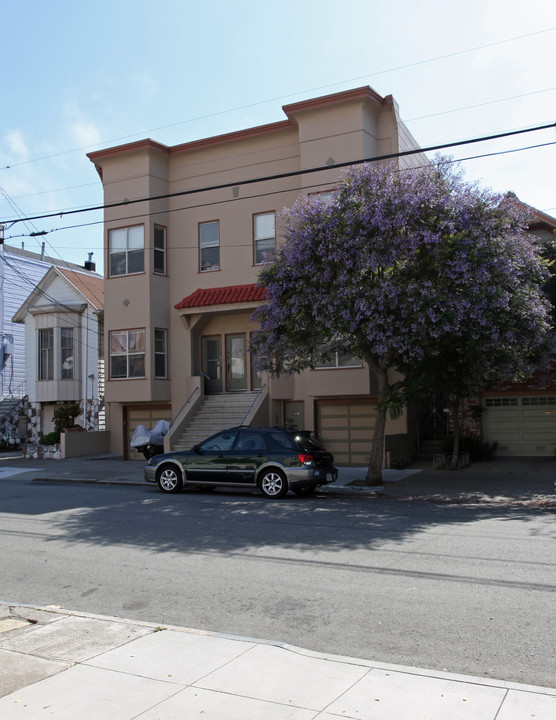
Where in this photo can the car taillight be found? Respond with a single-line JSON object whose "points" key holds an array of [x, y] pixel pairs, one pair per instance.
{"points": [[305, 459]]}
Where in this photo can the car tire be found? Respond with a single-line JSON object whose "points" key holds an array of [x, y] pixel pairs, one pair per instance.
{"points": [[306, 491], [273, 484], [169, 478]]}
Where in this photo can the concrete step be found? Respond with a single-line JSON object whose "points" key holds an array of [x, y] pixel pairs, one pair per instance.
{"points": [[218, 412]]}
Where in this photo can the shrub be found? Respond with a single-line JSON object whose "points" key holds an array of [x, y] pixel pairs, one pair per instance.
{"points": [[51, 438], [8, 446], [64, 416], [477, 449]]}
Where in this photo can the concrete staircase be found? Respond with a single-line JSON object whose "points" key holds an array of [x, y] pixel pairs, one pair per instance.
{"points": [[218, 412]]}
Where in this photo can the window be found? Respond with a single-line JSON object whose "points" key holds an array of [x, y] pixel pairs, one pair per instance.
{"points": [[46, 354], [221, 442], [264, 237], [250, 441], [339, 359], [127, 354], [66, 342], [160, 250], [126, 249], [160, 353], [209, 245]]}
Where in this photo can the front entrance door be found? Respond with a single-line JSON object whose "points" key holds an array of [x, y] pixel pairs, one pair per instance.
{"points": [[236, 375], [212, 363]]}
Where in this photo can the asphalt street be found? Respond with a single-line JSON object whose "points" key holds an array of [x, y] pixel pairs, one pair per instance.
{"points": [[465, 588]]}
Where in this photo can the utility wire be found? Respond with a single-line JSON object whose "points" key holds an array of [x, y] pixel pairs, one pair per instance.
{"points": [[281, 176], [63, 263], [274, 192], [285, 97], [246, 154]]}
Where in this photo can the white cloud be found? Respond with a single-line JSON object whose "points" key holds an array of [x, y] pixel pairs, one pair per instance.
{"points": [[16, 144], [84, 134]]}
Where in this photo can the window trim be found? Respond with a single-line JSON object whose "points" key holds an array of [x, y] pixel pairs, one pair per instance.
{"points": [[126, 354], [256, 239], [127, 251], [211, 268]]}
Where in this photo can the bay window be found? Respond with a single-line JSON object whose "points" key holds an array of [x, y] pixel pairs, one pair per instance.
{"points": [[160, 353], [66, 342], [46, 354], [126, 248], [160, 250], [127, 354]]}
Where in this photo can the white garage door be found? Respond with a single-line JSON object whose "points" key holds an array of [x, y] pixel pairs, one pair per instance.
{"points": [[524, 425]]}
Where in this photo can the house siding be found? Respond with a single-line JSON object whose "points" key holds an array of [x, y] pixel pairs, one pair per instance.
{"points": [[319, 133]]}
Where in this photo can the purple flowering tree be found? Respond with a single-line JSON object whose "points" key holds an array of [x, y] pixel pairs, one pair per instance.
{"points": [[413, 271]]}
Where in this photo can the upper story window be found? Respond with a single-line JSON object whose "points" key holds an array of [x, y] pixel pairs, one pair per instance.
{"points": [[66, 342], [46, 354], [160, 249], [126, 250], [326, 197], [264, 237], [209, 245], [160, 353], [127, 354]]}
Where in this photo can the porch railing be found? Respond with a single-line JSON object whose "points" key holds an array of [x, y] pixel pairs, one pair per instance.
{"points": [[195, 390], [257, 396]]}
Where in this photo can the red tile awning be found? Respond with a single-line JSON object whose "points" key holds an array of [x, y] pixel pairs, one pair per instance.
{"points": [[223, 296]]}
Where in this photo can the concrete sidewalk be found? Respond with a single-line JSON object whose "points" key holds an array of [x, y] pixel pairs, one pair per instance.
{"points": [[66, 665]]}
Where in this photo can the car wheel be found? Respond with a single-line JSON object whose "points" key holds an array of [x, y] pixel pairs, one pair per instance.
{"points": [[305, 490], [170, 479], [273, 484]]}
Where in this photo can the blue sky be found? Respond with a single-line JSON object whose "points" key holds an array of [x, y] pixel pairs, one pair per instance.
{"points": [[81, 76]]}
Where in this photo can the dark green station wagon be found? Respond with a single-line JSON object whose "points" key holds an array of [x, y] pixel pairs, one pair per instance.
{"points": [[270, 460]]}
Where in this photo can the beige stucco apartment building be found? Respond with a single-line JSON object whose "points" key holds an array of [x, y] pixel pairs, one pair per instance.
{"points": [[181, 268]]}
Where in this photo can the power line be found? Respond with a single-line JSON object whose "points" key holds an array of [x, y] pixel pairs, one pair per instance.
{"points": [[483, 104], [281, 176], [285, 97], [247, 154], [63, 262], [275, 192]]}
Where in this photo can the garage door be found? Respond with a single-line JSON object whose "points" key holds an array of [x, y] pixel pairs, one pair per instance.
{"points": [[524, 425], [142, 415], [346, 430]]}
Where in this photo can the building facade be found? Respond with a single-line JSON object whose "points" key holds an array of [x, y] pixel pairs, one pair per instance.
{"points": [[62, 320], [187, 232]]}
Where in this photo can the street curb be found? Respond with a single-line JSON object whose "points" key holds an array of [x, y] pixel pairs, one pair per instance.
{"points": [[346, 660], [374, 490], [88, 481]]}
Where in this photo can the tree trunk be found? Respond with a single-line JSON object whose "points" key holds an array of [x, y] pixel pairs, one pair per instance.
{"points": [[376, 460], [455, 420]]}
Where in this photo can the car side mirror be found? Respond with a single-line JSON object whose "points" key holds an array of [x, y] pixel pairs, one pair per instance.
{"points": [[197, 449]]}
